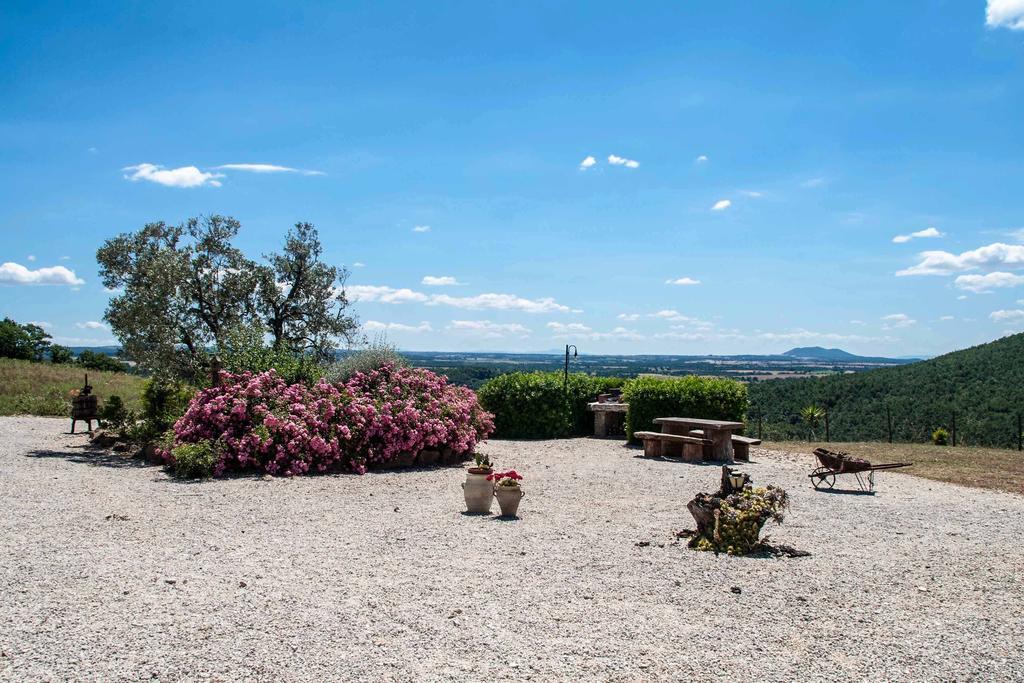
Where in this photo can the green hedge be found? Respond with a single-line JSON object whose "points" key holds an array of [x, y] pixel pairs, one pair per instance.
{"points": [[700, 397], [536, 405]]}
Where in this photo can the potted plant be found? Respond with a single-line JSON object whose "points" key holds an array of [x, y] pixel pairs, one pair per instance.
{"points": [[477, 488], [508, 491]]}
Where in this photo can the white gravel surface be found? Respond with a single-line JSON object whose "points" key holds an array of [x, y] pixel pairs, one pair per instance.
{"points": [[112, 571]]}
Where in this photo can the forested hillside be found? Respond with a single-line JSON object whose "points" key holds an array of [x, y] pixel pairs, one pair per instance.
{"points": [[982, 386]]}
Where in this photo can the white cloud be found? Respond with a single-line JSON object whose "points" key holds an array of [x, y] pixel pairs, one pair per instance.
{"points": [[622, 161], [945, 263], [358, 264], [1017, 234], [489, 301], [377, 326], [856, 322], [753, 194], [17, 274], [186, 176], [947, 318], [488, 329], [674, 316], [421, 228], [31, 257], [721, 205], [581, 331], [1007, 316], [813, 182], [628, 317], [439, 281], [682, 281], [267, 168], [91, 325], [588, 162], [93, 150], [961, 297], [569, 327], [384, 295], [701, 159], [41, 323], [988, 281], [65, 258], [898, 320], [927, 232], [500, 302], [1005, 13]]}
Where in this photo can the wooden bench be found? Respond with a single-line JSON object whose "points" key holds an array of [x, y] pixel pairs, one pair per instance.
{"points": [[740, 444], [659, 444]]}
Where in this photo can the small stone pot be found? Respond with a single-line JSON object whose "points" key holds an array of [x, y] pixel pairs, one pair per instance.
{"points": [[477, 491], [508, 499]]}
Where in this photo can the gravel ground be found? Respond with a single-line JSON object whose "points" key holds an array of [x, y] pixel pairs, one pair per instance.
{"points": [[112, 571]]}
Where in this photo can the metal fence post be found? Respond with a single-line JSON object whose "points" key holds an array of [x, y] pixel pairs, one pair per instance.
{"points": [[888, 420]]}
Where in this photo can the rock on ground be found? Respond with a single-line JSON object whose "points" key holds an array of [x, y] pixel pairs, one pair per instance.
{"points": [[110, 570]]}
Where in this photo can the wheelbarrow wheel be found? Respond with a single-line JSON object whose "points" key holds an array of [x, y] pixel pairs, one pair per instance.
{"points": [[823, 478]]}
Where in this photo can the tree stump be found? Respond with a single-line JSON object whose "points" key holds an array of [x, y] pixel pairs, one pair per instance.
{"points": [[731, 519]]}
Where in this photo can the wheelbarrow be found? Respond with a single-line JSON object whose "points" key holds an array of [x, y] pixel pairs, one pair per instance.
{"points": [[831, 464]]}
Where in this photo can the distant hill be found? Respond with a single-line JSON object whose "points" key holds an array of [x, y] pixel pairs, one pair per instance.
{"points": [[982, 386], [821, 353]]}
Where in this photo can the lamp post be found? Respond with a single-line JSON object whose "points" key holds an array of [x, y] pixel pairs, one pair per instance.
{"points": [[565, 377]]}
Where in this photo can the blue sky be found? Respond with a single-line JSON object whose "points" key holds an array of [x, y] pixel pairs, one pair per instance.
{"points": [[698, 177]]}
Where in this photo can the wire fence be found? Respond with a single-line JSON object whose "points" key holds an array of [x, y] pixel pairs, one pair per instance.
{"points": [[995, 429]]}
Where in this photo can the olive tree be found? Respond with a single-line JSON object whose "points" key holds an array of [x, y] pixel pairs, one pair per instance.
{"points": [[301, 299], [181, 292]]}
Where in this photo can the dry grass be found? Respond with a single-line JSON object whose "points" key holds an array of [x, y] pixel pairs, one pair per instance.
{"points": [[44, 389], [986, 468]]}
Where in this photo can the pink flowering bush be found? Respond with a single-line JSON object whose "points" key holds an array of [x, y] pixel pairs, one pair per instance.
{"points": [[258, 422]]}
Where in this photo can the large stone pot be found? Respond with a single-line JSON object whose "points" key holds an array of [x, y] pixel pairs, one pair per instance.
{"points": [[477, 490], [508, 499]]}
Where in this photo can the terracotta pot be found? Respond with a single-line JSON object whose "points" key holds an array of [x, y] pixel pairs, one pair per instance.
{"points": [[508, 499], [477, 490]]}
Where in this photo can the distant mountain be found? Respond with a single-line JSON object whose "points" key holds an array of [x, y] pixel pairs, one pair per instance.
{"points": [[979, 391], [838, 355], [820, 353]]}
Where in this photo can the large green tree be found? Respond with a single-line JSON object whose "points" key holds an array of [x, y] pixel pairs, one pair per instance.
{"points": [[302, 299], [182, 291], [27, 342]]}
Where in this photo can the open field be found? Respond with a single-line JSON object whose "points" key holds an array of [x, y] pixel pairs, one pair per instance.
{"points": [[44, 389], [114, 571], [987, 468]]}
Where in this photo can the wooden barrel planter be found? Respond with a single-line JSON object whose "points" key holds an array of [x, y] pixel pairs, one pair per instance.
{"points": [[84, 407]]}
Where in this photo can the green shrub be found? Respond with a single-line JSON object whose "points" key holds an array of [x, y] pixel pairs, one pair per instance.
{"points": [[54, 402], [245, 351], [92, 360], [538, 405], [709, 398], [940, 437], [61, 355], [194, 460], [114, 415], [163, 402], [377, 354]]}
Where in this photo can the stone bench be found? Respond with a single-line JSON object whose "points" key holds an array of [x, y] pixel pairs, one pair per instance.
{"points": [[659, 444], [740, 444]]}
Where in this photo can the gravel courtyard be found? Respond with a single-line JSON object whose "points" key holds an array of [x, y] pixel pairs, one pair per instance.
{"points": [[112, 571]]}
